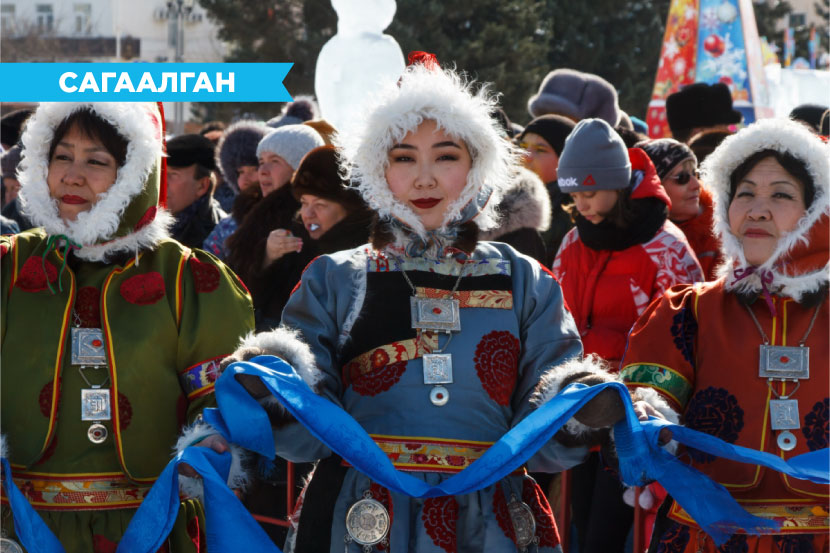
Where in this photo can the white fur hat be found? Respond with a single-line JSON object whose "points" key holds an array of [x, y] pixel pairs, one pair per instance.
{"points": [[784, 136], [442, 96]]}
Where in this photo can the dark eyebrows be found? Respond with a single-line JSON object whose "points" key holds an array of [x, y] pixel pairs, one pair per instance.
{"points": [[72, 147], [749, 181], [447, 143]]}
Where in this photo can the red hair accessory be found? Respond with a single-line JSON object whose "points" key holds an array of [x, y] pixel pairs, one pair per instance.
{"points": [[426, 59]]}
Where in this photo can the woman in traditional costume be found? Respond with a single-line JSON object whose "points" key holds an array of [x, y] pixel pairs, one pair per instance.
{"points": [[106, 355], [745, 358], [437, 344]]}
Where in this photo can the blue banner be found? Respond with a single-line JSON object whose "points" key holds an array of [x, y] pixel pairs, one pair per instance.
{"points": [[144, 82]]}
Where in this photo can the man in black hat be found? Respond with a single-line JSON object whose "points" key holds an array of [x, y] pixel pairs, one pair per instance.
{"points": [[190, 185], [700, 107]]}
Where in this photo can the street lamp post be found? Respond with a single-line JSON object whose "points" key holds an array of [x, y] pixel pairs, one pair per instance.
{"points": [[179, 9]]}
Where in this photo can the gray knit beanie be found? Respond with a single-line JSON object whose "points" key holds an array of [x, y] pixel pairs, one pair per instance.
{"points": [[290, 142], [576, 95], [594, 158]]}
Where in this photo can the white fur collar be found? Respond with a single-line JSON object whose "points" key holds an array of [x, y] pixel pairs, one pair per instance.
{"points": [[423, 94], [95, 229], [526, 204], [785, 136]]}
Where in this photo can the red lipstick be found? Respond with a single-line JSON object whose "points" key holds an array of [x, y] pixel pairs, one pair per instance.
{"points": [[71, 199], [426, 203]]}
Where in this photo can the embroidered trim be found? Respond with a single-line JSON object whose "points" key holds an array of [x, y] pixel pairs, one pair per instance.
{"points": [[199, 379], [85, 492], [665, 379], [492, 299], [388, 354], [379, 262], [793, 518], [422, 454]]}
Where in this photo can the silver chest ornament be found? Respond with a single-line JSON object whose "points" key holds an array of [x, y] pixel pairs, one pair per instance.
{"points": [[9, 546], [367, 523], [88, 352], [524, 525]]}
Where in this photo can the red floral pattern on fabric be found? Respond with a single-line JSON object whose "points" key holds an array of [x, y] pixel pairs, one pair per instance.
{"points": [[440, 518], [47, 454], [381, 494], [205, 275], [44, 399], [88, 307], [144, 289], [502, 514], [378, 380], [497, 360], [32, 278], [4, 249], [100, 544], [146, 219], [545, 525], [125, 412]]}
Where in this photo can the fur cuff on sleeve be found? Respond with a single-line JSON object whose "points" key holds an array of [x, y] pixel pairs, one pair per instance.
{"points": [[4, 451], [287, 344], [238, 476], [653, 398], [559, 377]]}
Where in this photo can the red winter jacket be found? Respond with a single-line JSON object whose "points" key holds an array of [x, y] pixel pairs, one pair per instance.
{"points": [[608, 290]]}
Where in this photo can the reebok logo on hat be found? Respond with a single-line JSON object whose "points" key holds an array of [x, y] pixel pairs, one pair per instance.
{"points": [[589, 181]]}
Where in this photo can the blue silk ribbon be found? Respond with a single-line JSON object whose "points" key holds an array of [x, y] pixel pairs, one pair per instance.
{"points": [[29, 528]]}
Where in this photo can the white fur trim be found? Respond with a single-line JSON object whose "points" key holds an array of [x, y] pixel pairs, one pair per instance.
{"points": [[4, 447], [238, 477], [551, 382], [781, 135], [359, 283], [653, 398], [646, 497], [526, 204], [287, 344], [423, 94], [133, 121]]}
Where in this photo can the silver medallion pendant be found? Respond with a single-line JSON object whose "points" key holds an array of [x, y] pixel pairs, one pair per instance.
{"points": [[524, 525], [435, 314], [437, 368], [783, 414], [88, 347], [786, 440], [97, 433], [367, 522], [95, 404], [784, 362], [9, 546], [439, 396]]}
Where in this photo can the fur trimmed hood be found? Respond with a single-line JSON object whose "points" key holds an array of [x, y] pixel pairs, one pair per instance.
{"points": [[801, 261], [443, 96], [526, 204], [127, 217]]}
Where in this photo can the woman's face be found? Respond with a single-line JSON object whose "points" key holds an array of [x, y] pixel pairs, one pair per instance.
{"points": [[80, 170], [248, 177], [539, 157], [320, 214], [595, 205], [683, 189], [427, 171], [274, 172], [767, 205]]}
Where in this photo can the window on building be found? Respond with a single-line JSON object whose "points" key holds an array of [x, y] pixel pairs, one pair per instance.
{"points": [[45, 17], [7, 18], [83, 14], [798, 19]]}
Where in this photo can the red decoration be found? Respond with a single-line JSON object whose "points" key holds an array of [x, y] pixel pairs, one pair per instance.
{"points": [[88, 307], [44, 399], [426, 59], [205, 275], [32, 278], [97, 343], [145, 289], [502, 514], [714, 45], [589, 181], [545, 525], [146, 219], [4, 249], [50, 450], [194, 531], [381, 494], [785, 359], [377, 380], [125, 412], [496, 360], [100, 544], [436, 310], [440, 518]]}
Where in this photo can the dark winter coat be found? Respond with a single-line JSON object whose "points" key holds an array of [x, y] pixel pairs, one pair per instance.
{"points": [[194, 223], [525, 214]]}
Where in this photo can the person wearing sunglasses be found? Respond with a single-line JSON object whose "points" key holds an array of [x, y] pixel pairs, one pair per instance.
{"points": [[691, 202]]}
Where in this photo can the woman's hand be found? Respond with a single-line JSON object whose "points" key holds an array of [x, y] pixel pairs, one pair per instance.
{"points": [[644, 410], [280, 242]]}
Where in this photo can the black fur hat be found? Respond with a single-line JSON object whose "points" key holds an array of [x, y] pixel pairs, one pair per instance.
{"points": [[701, 105], [237, 148], [319, 174]]}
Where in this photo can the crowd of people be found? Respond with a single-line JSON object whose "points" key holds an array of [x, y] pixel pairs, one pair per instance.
{"points": [[437, 271]]}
